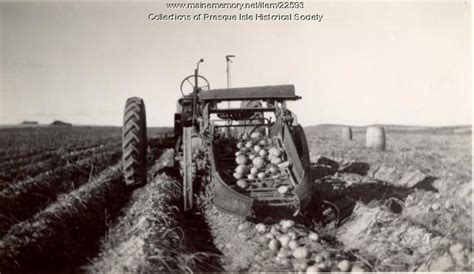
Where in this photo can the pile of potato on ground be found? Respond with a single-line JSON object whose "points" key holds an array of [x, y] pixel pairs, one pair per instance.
{"points": [[289, 247], [258, 157]]}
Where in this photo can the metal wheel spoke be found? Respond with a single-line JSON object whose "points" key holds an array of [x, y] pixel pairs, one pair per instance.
{"points": [[187, 79], [190, 82]]}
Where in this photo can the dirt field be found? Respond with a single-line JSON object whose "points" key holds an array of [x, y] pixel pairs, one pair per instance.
{"points": [[417, 213], [64, 207]]}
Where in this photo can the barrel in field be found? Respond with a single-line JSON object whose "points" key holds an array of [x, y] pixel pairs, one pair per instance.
{"points": [[375, 138], [346, 133]]}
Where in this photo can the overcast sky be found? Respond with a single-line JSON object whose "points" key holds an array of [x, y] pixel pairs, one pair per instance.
{"points": [[364, 63]]}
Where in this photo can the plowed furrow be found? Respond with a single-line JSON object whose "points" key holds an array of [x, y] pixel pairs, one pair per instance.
{"points": [[12, 160], [54, 161], [23, 199], [154, 235], [15, 162], [19, 143], [62, 236]]}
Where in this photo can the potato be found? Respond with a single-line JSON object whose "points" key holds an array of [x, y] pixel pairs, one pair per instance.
{"points": [[285, 252], [249, 144], [258, 162], [293, 244], [252, 156], [300, 265], [242, 184], [292, 235], [257, 148], [283, 165], [238, 175], [256, 135], [284, 240], [245, 136], [300, 252], [322, 266], [262, 142], [251, 177], [274, 151], [285, 262], [270, 235], [241, 160], [273, 169], [262, 153], [344, 265], [275, 160], [253, 170], [261, 228], [283, 189], [287, 224], [238, 153], [357, 269], [261, 175], [274, 245], [241, 169], [313, 236], [325, 254], [318, 259], [313, 269], [274, 231]]}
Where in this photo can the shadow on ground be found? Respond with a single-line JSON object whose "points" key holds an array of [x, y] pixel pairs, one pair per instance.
{"points": [[336, 195], [203, 253], [199, 240]]}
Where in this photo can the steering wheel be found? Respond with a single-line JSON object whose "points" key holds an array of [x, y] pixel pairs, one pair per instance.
{"points": [[188, 83]]}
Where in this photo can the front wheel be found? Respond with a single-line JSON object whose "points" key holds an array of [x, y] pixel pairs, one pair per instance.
{"points": [[134, 142]]}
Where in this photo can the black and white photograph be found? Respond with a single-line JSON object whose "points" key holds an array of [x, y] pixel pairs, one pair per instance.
{"points": [[194, 136]]}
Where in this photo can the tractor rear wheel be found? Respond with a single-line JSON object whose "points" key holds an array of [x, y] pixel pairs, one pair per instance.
{"points": [[134, 142]]}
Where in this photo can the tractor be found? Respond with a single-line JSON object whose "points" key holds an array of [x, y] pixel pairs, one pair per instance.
{"points": [[207, 133]]}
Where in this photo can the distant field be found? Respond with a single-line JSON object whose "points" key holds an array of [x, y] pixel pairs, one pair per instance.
{"points": [[444, 151]]}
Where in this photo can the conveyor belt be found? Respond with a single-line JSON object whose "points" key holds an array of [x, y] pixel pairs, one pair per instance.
{"points": [[264, 191]]}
